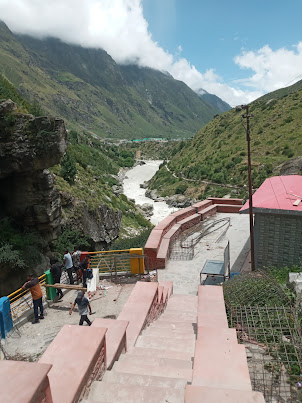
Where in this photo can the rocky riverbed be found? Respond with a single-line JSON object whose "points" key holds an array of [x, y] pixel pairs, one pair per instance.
{"points": [[134, 188]]}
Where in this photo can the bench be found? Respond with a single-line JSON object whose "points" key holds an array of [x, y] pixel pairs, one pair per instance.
{"points": [[217, 268]]}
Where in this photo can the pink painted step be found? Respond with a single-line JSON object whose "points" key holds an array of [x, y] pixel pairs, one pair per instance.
{"points": [[144, 380], [160, 324], [175, 322], [73, 354], [24, 382], [190, 221], [168, 289], [115, 392], [155, 361], [207, 212], [163, 250], [178, 355], [166, 224], [162, 343], [170, 333], [173, 232], [228, 208], [221, 366], [183, 213], [212, 335], [136, 309], [179, 316], [202, 205], [169, 372], [211, 307], [154, 239], [116, 342], [160, 294], [197, 394], [222, 200]]}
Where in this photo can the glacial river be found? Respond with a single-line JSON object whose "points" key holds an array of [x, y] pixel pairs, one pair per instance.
{"points": [[131, 186]]}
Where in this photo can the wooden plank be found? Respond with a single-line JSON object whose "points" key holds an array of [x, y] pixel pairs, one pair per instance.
{"points": [[67, 286]]}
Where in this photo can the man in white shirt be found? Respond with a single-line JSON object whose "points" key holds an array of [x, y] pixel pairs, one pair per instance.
{"points": [[68, 265]]}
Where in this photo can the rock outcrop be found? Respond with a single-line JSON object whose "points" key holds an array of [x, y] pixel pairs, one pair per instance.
{"points": [[28, 146], [102, 225], [290, 167]]}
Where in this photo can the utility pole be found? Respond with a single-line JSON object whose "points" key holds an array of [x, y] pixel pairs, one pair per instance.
{"points": [[247, 117]]}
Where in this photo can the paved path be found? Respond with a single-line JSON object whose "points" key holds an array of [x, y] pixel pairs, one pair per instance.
{"points": [[185, 274]]}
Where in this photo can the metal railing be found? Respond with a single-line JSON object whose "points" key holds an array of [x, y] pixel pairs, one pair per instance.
{"points": [[21, 300], [111, 262]]}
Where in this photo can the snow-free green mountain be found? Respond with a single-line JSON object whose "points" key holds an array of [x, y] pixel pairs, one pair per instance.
{"points": [[92, 92]]}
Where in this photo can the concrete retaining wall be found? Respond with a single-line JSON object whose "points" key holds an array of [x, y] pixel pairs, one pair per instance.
{"points": [[159, 242]]}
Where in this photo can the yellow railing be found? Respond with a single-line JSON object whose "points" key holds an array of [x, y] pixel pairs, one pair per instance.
{"points": [[21, 301], [126, 260], [111, 261]]}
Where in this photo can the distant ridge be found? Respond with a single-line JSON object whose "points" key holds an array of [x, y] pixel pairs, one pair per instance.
{"points": [[215, 101], [92, 92]]}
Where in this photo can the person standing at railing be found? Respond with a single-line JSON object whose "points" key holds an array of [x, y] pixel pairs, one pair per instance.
{"points": [[36, 292], [68, 265], [84, 267], [76, 262], [56, 271]]}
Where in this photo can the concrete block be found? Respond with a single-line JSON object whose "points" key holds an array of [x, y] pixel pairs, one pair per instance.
{"points": [[137, 308], [78, 356], [24, 382], [116, 341]]}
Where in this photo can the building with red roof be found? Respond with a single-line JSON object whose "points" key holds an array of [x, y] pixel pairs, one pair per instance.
{"points": [[277, 207]]}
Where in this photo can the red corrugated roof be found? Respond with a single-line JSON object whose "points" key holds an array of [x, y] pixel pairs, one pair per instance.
{"points": [[278, 193]]}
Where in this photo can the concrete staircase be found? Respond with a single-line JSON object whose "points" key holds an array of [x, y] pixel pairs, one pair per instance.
{"points": [[159, 365]]}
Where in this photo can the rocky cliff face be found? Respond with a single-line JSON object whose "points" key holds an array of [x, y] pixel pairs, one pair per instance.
{"points": [[28, 146]]}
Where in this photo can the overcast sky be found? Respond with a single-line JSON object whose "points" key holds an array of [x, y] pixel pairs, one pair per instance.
{"points": [[235, 51]]}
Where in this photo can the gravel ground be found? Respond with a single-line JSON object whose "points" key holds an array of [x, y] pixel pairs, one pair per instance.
{"points": [[33, 340]]}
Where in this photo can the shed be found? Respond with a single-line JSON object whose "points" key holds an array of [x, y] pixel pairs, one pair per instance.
{"points": [[277, 208]]}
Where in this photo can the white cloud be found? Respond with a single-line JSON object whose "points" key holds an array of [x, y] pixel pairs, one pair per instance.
{"points": [[272, 69], [119, 27]]}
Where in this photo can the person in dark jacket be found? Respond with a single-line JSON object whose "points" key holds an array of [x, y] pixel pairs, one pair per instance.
{"points": [[56, 271], [34, 287], [84, 266]]}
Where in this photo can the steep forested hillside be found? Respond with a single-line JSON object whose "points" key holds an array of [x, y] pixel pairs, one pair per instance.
{"points": [[218, 153], [90, 91]]}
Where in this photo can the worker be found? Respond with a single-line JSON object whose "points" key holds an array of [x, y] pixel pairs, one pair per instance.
{"points": [[83, 305], [76, 256], [56, 271], [68, 265], [33, 285]]}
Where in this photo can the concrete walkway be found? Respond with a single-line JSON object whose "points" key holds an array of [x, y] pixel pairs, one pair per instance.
{"points": [[185, 274]]}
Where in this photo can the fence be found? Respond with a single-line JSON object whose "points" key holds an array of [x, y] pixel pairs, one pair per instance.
{"points": [[113, 262]]}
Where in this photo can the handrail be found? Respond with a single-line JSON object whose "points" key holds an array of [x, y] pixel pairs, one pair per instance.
{"points": [[109, 251], [21, 302], [12, 296]]}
